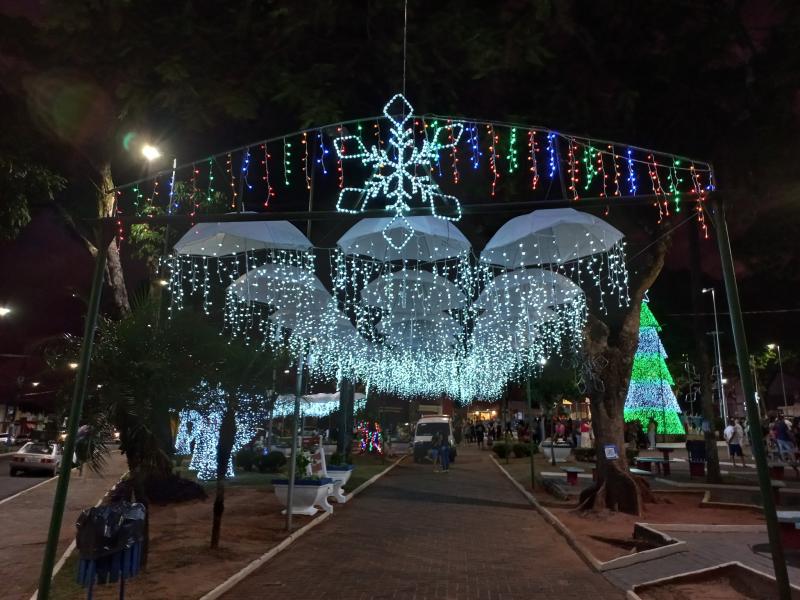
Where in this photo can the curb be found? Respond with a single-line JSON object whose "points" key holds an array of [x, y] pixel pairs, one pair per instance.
{"points": [[583, 552], [633, 595], [703, 528], [237, 577]]}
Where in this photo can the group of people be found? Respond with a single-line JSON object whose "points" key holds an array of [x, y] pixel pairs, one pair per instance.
{"points": [[782, 435], [440, 452], [577, 433]]}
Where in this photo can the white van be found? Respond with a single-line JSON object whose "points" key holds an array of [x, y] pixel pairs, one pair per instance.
{"points": [[423, 434]]}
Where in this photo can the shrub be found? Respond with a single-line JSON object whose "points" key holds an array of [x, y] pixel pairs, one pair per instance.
{"points": [[585, 454], [246, 459], [271, 463], [500, 449], [519, 449]]}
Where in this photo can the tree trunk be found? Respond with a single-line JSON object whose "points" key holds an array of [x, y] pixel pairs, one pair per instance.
{"points": [[227, 435], [114, 273], [609, 361], [713, 474]]}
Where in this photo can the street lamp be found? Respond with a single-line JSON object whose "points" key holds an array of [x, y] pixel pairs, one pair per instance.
{"points": [[4, 311], [150, 152], [72, 365], [780, 366], [723, 403]]}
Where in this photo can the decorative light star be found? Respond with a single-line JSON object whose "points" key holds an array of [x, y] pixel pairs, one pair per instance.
{"points": [[401, 173]]}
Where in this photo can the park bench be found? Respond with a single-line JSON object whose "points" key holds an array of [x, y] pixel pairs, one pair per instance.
{"points": [[340, 474], [572, 474], [777, 485], [789, 522], [646, 463], [665, 452]]}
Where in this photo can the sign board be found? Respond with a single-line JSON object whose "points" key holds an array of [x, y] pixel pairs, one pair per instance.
{"points": [[612, 453]]}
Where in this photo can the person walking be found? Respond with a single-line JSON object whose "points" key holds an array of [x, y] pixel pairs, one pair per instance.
{"points": [[586, 434], [734, 436], [652, 428], [444, 454], [435, 443], [479, 431]]}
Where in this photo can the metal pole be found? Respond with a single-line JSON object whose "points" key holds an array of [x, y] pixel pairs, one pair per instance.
{"points": [[78, 395], [783, 384], [723, 402], [740, 342], [293, 454], [530, 429]]}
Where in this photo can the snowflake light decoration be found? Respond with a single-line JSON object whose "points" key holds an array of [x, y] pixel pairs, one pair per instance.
{"points": [[402, 173]]}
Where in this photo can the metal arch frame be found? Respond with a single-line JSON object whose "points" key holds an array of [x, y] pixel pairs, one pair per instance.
{"points": [[717, 213]]}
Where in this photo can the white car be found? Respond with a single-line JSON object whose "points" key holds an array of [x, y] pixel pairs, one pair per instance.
{"points": [[6, 439], [36, 457], [424, 432]]}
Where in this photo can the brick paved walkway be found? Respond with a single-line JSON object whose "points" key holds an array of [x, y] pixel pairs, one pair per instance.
{"points": [[416, 534]]}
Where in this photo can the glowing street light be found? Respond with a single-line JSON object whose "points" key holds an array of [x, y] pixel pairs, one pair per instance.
{"points": [[780, 366], [150, 152], [4, 311], [72, 365]]}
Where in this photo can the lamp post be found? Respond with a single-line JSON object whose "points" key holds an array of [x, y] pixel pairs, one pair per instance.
{"points": [[4, 311], [783, 383], [722, 401]]}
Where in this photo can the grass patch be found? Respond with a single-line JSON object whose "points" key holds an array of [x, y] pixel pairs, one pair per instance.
{"points": [[65, 587]]}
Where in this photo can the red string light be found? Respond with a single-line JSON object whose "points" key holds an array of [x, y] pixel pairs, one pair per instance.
{"points": [[270, 194], [572, 169], [617, 174], [700, 197], [339, 166], [533, 149], [232, 178], [494, 141], [305, 160], [454, 151]]}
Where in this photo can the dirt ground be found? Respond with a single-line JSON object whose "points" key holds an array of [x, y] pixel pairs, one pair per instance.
{"points": [[252, 524], [617, 528]]}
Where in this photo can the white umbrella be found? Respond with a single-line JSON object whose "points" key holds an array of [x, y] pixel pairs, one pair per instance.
{"points": [[287, 288], [529, 287], [556, 235], [221, 239], [431, 239], [413, 292]]}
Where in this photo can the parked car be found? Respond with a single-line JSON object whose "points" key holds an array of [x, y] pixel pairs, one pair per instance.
{"points": [[423, 434], [6, 439], [36, 457]]}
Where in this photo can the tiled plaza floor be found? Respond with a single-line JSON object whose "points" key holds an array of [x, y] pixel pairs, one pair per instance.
{"points": [[417, 534]]}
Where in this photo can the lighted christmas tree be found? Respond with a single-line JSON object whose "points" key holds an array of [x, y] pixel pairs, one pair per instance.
{"points": [[650, 391]]}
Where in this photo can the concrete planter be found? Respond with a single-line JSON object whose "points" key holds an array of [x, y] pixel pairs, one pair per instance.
{"points": [[308, 495], [561, 451]]}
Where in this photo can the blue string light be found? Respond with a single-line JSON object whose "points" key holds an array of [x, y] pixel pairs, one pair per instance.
{"points": [[551, 152], [323, 152], [474, 143], [246, 168], [631, 175]]}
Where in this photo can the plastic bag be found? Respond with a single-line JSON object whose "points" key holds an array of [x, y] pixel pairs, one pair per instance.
{"points": [[109, 529]]}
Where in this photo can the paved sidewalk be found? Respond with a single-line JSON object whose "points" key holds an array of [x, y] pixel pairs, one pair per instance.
{"points": [[24, 522], [415, 534], [707, 550]]}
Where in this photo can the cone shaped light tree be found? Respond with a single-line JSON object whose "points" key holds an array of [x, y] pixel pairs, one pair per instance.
{"points": [[650, 392]]}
